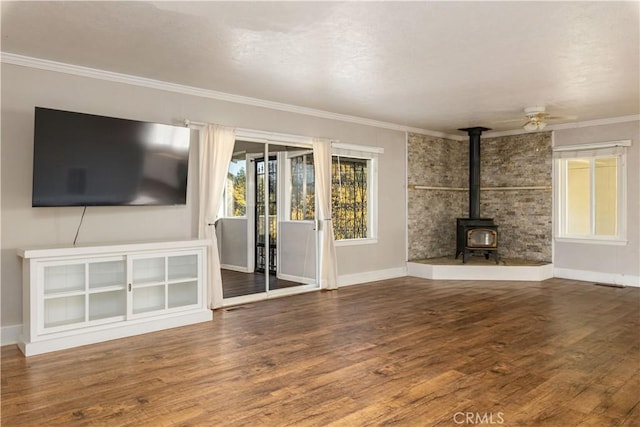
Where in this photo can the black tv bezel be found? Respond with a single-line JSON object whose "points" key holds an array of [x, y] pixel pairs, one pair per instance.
{"points": [[105, 204]]}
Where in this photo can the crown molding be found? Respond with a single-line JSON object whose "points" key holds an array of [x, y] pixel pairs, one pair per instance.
{"points": [[77, 70], [94, 73], [597, 122]]}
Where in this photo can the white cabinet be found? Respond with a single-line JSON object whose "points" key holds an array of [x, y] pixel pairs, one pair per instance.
{"points": [[82, 295]]}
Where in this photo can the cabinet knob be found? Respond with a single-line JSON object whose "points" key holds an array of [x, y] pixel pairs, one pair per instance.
{"points": [[129, 287]]}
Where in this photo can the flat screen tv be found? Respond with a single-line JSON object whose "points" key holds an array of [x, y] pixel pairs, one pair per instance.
{"points": [[87, 160]]}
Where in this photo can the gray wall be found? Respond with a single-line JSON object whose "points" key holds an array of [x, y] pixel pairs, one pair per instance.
{"points": [[23, 226], [611, 259]]}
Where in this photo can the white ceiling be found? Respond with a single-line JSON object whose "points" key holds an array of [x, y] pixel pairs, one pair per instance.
{"points": [[430, 65]]}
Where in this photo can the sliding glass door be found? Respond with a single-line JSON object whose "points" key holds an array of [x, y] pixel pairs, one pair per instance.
{"points": [[267, 247]]}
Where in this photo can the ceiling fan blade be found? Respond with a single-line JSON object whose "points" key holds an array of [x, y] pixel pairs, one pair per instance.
{"points": [[560, 117], [519, 119]]}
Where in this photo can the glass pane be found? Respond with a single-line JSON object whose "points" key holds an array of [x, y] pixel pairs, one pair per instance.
{"points": [[297, 188], [107, 304], [147, 299], [183, 294], [110, 273], [578, 197], [236, 188], [302, 188], [481, 238], [63, 278], [183, 267], [349, 198], [63, 311], [240, 239], [606, 196], [149, 270], [310, 195]]}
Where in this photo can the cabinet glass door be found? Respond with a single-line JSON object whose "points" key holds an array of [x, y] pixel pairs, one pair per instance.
{"points": [[182, 281], [64, 289], [148, 284], [107, 289]]}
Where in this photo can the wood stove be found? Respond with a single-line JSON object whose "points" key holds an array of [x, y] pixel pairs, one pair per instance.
{"points": [[475, 234], [478, 235]]}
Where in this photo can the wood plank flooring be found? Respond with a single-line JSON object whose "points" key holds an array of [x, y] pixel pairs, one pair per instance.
{"points": [[404, 352], [236, 284]]}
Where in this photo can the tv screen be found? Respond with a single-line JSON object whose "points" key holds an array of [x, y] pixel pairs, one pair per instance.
{"points": [[87, 160]]}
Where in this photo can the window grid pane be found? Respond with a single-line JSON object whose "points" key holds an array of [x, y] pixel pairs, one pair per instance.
{"points": [[590, 188], [349, 198], [578, 197], [236, 189], [302, 188], [606, 196]]}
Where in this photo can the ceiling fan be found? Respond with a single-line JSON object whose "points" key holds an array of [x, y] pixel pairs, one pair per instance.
{"points": [[536, 118]]}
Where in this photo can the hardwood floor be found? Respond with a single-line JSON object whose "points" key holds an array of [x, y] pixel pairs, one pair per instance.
{"points": [[406, 351], [235, 284]]}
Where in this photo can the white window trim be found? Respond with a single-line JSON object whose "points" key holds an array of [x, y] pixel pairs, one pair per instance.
{"points": [[592, 151], [371, 155]]}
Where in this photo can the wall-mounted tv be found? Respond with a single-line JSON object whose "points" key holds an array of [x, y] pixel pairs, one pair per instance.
{"points": [[87, 160]]}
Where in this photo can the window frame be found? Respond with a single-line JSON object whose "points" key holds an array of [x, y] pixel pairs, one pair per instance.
{"points": [[347, 151], [592, 152], [370, 154]]}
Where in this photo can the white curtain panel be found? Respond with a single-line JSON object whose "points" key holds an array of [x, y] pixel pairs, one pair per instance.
{"points": [[216, 148], [328, 270]]}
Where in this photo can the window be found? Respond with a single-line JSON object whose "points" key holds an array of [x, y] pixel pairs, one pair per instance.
{"points": [[349, 197], [235, 194], [591, 192], [352, 192]]}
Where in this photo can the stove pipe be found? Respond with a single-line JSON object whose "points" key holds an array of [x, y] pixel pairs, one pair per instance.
{"points": [[474, 170]]}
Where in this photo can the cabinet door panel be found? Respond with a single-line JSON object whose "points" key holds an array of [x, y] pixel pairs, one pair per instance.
{"points": [[183, 294], [150, 298], [148, 270], [107, 304], [64, 278], [64, 311], [107, 274]]}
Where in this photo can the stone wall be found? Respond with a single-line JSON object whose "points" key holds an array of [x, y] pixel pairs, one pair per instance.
{"points": [[524, 216], [435, 162]]}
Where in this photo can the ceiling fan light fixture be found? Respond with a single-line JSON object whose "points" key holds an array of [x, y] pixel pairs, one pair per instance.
{"points": [[531, 125]]}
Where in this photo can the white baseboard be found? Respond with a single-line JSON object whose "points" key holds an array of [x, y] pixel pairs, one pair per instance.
{"points": [[10, 334], [480, 272], [239, 268], [296, 279], [371, 276], [597, 277]]}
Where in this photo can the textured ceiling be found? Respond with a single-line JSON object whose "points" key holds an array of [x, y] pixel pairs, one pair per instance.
{"points": [[430, 65]]}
